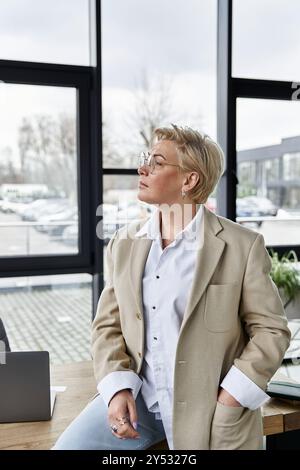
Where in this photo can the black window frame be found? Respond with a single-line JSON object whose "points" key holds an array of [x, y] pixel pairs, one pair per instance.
{"points": [[87, 81], [229, 90], [36, 74]]}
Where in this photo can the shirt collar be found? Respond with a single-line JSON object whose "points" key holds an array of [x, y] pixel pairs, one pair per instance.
{"points": [[152, 230]]}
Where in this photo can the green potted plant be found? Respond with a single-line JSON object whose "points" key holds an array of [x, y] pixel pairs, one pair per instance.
{"points": [[286, 275]]}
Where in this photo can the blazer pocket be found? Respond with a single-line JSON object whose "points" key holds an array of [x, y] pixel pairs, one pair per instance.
{"points": [[235, 428], [226, 425], [221, 307], [224, 413]]}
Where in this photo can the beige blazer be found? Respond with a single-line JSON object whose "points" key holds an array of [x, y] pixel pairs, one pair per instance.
{"points": [[234, 315]]}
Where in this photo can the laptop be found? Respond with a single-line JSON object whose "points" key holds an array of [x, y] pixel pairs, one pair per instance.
{"points": [[25, 387]]}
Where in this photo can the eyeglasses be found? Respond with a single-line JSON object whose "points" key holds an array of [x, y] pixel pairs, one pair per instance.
{"points": [[152, 161]]}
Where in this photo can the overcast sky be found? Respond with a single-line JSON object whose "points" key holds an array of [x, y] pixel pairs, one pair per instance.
{"points": [[166, 38]]}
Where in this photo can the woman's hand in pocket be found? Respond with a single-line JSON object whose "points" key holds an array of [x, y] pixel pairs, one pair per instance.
{"points": [[226, 399]]}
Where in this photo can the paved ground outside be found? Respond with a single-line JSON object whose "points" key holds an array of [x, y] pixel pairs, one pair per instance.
{"points": [[56, 319]]}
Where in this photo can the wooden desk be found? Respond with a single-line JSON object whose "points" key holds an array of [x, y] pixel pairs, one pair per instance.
{"points": [[278, 416], [79, 380]]}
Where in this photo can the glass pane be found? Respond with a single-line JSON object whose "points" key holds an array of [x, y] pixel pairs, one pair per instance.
{"points": [[38, 170], [121, 206], [158, 67], [266, 41], [54, 32], [48, 313], [268, 163]]}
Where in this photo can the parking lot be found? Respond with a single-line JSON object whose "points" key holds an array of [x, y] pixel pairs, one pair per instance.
{"points": [[21, 238], [61, 306], [279, 231]]}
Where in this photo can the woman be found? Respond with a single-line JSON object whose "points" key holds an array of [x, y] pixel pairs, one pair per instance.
{"points": [[189, 327]]}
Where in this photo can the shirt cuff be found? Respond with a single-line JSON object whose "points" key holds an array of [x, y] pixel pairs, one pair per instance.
{"points": [[246, 392], [116, 381]]}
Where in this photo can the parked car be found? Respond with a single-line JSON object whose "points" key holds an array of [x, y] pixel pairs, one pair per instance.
{"points": [[50, 208], [70, 235], [28, 213], [263, 205], [113, 219], [245, 208], [109, 221], [253, 206], [63, 219], [15, 205]]}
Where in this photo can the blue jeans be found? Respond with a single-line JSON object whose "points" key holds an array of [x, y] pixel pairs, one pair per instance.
{"points": [[91, 431]]}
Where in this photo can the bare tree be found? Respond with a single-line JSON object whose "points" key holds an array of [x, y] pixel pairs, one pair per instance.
{"points": [[110, 150], [8, 174], [8, 171], [153, 107], [26, 142], [48, 151]]}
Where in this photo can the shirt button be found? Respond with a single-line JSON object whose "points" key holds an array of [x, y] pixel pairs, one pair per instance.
{"points": [[140, 355], [157, 277], [154, 337], [138, 316], [154, 308]]}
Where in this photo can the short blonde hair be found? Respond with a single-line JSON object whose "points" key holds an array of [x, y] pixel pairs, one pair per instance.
{"points": [[196, 152]]}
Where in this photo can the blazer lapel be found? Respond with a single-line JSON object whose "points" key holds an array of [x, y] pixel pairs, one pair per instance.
{"points": [[137, 259], [208, 256]]}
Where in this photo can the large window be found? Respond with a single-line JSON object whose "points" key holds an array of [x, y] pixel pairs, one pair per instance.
{"points": [[158, 67], [266, 39], [121, 206], [269, 176], [291, 166], [38, 170], [272, 169], [258, 116], [48, 200], [49, 313], [161, 62], [56, 32]]}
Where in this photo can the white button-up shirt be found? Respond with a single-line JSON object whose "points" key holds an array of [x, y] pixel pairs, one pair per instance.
{"points": [[167, 282]]}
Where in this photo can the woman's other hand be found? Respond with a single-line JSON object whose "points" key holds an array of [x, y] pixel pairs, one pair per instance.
{"points": [[225, 398], [122, 405]]}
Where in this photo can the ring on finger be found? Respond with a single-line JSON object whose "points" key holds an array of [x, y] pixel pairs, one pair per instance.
{"points": [[114, 428], [124, 419]]}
